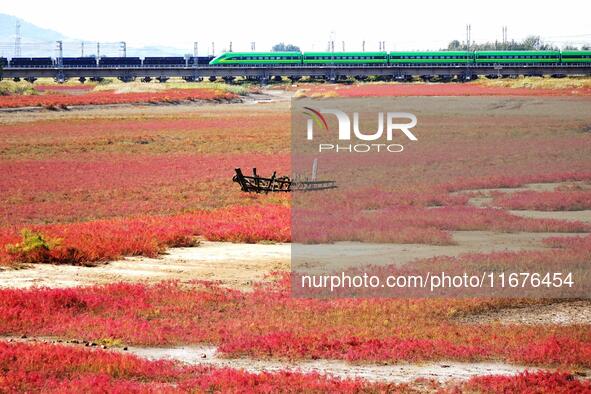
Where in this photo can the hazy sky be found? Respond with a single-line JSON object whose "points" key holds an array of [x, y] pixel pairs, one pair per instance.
{"points": [[309, 24]]}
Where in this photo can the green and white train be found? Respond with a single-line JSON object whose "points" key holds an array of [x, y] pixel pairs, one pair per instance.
{"points": [[443, 58]]}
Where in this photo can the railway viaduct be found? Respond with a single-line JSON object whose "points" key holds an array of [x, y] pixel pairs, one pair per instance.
{"points": [[265, 73]]}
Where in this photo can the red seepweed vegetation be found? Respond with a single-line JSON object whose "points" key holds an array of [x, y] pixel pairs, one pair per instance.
{"points": [[270, 323], [545, 201], [436, 89], [527, 382], [58, 369], [87, 243], [109, 97]]}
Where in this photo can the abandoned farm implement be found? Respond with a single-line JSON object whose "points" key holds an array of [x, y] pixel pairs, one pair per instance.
{"points": [[259, 184]]}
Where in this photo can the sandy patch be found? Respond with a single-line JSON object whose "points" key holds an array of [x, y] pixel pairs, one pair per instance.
{"points": [[241, 265], [562, 313], [395, 373], [235, 265], [581, 216], [484, 199], [441, 371], [349, 254]]}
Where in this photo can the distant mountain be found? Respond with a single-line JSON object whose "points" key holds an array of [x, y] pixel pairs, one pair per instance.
{"points": [[156, 51], [29, 31], [38, 41]]}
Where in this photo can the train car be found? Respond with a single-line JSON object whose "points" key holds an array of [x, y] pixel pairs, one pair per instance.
{"points": [[576, 57], [120, 62], [257, 58], [165, 61], [345, 58], [31, 62], [3, 62], [431, 57], [200, 60], [79, 61], [516, 57]]}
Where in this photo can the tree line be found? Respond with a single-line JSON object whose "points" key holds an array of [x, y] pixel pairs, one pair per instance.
{"points": [[531, 43]]}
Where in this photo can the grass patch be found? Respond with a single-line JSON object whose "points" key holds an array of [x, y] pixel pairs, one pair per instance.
{"points": [[538, 83], [11, 88]]}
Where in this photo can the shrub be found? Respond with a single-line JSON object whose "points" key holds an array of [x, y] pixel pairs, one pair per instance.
{"points": [[34, 247]]}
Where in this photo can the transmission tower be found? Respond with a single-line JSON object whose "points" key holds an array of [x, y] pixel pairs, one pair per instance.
{"points": [[17, 39]]}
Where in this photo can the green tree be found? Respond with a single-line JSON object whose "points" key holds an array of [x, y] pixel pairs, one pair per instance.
{"points": [[455, 45], [282, 47]]}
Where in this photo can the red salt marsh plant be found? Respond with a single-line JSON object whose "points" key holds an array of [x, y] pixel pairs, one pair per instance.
{"points": [[437, 89], [90, 242], [107, 186], [106, 97], [328, 221], [58, 369], [527, 382], [269, 323], [545, 201]]}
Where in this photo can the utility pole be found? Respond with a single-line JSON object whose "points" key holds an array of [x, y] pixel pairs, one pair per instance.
{"points": [[468, 34], [195, 49], [253, 46], [123, 48], [363, 46], [343, 42], [230, 47], [82, 49], [17, 39], [98, 51], [212, 48]]}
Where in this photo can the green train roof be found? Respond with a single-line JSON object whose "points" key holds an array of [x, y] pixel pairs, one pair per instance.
{"points": [[576, 53], [431, 53], [518, 53], [337, 54], [290, 53]]}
